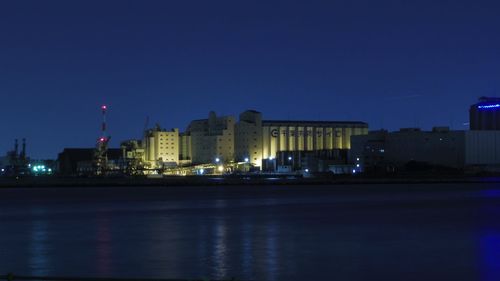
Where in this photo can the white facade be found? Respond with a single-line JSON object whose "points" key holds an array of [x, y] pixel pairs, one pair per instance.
{"points": [[258, 139], [212, 139], [308, 135], [162, 147], [248, 138]]}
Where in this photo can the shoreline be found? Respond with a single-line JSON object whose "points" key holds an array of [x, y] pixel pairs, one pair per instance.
{"points": [[41, 182]]}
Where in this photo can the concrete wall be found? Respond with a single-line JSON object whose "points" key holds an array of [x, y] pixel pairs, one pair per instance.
{"points": [[482, 148]]}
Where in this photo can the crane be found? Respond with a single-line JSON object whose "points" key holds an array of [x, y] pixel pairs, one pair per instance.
{"points": [[100, 161]]}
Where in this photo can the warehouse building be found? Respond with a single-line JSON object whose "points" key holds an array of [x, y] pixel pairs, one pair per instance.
{"points": [[406, 149]]}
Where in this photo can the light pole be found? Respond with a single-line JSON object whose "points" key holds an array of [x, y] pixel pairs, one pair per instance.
{"points": [[247, 169]]}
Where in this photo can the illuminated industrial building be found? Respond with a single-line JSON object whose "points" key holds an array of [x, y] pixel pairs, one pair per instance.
{"points": [[485, 115], [249, 144], [158, 149], [185, 149], [211, 139], [161, 147], [260, 141]]}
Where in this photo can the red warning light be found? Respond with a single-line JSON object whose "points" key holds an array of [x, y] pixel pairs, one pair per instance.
{"points": [[104, 107], [102, 139]]}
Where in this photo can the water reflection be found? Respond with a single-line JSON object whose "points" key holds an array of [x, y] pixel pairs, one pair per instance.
{"points": [[202, 250], [490, 255], [220, 249], [247, 245], [272, 253], [282, 237], [39, 258], [489, 238], [103, 247]]}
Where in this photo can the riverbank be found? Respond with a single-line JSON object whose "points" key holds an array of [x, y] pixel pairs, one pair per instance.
{"points": [[227, 181]]}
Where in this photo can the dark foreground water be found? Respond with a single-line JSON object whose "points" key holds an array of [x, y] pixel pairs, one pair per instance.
{"points": [[393, 232]]}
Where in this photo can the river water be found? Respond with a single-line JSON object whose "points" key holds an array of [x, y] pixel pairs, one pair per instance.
{"points": [[349, 232]]}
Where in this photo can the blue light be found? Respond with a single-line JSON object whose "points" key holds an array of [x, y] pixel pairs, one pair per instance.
{"points": [[488, 106]]}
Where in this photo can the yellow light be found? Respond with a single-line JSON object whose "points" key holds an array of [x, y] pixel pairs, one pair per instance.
{"points": [[221, 168]]}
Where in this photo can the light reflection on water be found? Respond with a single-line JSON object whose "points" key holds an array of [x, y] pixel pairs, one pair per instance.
{"points": [[247, 246], [103, 247], [39, 258], [220, 250], [286, 235], [489, 237], [272, 251]]}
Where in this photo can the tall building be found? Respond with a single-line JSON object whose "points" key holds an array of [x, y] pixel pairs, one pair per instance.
{"points": [[185, 154], [485, 115], [212, 139], [161, 147], [248, 138]]}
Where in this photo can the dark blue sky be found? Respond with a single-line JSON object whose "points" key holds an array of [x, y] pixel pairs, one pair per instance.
{"points": [[390, 63]]}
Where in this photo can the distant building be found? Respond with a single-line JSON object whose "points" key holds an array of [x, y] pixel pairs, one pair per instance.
{"points": [[78, 161], [248, 138], [267, 144], [4, 161], [134, 157], [412, 148], [185, 149], [211, 139], [485, 115], [282, 143], [161, 147]]}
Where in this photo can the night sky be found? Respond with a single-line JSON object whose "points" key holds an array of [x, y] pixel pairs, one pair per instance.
{"points": [[389, 63]]}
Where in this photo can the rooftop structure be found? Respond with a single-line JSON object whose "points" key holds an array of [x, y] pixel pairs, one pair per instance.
{"points": [[485, 115]]}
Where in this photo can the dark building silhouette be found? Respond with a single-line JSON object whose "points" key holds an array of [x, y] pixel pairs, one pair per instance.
{"points": [[485, 115], [78, 161]]}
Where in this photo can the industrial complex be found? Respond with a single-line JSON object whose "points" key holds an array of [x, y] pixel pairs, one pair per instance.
{"points": [[222, 145], [411, 149]]}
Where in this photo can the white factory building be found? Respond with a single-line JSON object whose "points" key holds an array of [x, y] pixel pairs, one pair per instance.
{"points": [[254, 140]]}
